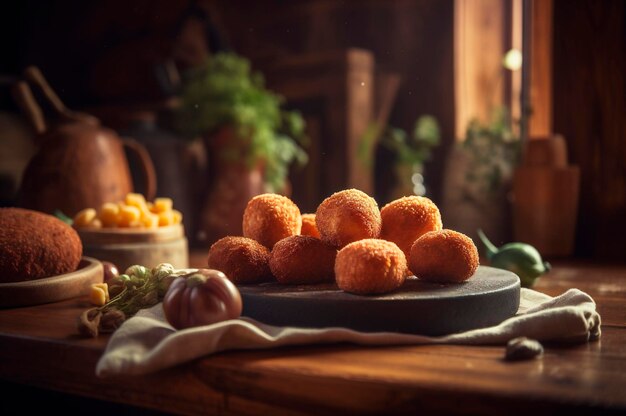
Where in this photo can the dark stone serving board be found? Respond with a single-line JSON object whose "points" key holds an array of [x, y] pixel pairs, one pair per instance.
{"points": [[487, 298]]}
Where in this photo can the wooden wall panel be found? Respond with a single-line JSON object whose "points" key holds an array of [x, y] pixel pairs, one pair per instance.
{"points": [[589, 91], [98, 53], [413, 38], [540, 120], [479, 77], [334, 92]]}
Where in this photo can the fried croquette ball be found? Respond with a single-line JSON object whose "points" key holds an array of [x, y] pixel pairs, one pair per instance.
{"points": [[269, 218], [370, 267], [407, 219], [348, 216], [302, 259], [243, 260], [444, 256], [308, 226]]}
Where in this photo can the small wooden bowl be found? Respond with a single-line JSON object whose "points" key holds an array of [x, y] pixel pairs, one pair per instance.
{"points": [[125, 247], [54, 288]]}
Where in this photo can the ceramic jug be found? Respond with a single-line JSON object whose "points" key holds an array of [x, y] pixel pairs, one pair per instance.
{"points": [[79, 163]]}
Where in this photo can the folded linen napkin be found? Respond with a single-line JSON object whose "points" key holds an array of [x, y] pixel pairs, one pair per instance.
{"points": [[147, 343]]}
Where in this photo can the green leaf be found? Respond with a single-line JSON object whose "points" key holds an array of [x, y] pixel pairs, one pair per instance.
{"points": [[226, 92], [60, 215], [492, 149], [426, 131]]}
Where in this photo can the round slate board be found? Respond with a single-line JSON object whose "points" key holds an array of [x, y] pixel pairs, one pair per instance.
{"points": [[487, 298]]}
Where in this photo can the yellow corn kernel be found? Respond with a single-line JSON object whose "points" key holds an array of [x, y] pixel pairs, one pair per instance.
{"points": [[127, 215], [84, 217], [95, 223], [177, 216], [162, 205], [166, 218], [150, 221], [99, 294], [135, 200], [144, 212], [108, 214]]}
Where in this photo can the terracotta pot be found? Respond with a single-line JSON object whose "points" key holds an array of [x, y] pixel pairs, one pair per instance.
{"points": [[231, 184], [546, 194]]}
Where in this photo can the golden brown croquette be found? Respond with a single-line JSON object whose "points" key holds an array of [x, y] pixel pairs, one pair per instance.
{"points": [[406, 219], [34, 245], [302, 259], [308, 226], [370, 266], [444, 256], [269, 218], [348, 216], [243, 260]]}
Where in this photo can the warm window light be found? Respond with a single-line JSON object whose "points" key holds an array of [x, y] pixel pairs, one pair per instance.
{"points": [[513, 60]]}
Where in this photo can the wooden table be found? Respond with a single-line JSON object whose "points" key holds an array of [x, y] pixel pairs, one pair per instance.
{"points": [[39, 347]]}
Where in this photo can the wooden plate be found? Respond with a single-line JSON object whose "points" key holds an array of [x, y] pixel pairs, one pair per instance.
{"points": [[486, 299], [54, 288]]}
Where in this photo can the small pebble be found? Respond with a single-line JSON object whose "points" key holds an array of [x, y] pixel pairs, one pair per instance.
{"points": [[522, 348]]}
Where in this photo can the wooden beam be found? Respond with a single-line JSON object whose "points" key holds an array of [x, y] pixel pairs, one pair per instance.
{"points": [[540, 120], [515, 103], [479, 46]]}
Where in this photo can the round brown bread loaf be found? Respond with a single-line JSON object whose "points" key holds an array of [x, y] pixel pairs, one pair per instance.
{"points": [[34, 245]]}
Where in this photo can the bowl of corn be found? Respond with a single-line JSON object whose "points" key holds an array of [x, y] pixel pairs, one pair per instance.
{"points": [[134, 231]]}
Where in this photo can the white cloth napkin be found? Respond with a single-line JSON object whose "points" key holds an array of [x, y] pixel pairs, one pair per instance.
{"points": [[146, 342]]}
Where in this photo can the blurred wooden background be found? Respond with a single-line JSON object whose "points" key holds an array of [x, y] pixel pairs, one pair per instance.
{"points": [[589, 84], [103, 54]]}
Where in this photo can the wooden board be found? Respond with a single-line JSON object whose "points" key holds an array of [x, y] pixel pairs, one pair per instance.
{"points": [[39, 347], [54, 288], [487, 298]]}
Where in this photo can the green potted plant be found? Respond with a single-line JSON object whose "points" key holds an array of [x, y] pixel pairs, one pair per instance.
{"points": [[493, 151], [410, 154], [224, 94], [478, 181], [251, 141]]}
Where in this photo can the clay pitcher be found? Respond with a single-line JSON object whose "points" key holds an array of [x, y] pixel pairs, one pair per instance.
{"points": [[79, 163]]}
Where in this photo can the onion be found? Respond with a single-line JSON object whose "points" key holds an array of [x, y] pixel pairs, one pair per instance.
{"points": [[201, 298]]}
